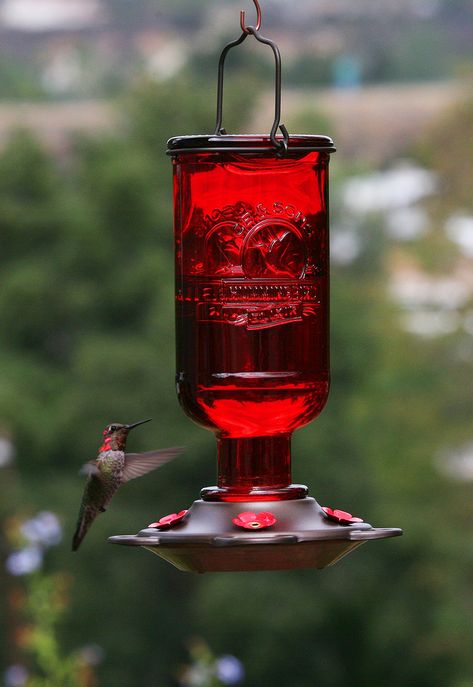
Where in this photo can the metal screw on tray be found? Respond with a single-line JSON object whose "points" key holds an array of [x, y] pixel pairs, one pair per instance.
{"points": [[251, 232]]}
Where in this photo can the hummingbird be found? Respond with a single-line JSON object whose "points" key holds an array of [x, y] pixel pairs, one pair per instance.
{"points": [[112, 468]]}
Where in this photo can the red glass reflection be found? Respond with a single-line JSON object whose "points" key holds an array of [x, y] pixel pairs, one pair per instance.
{"points": [[252, 309]]}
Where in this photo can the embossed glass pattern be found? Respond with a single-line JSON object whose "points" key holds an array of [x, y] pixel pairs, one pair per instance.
{"points": [[251, 232]]}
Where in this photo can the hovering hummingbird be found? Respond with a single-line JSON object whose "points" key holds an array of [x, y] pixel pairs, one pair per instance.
{"points": [[112, 468]]}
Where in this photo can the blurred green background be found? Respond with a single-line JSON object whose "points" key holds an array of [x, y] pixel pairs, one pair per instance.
{"points": [[90, 90]]}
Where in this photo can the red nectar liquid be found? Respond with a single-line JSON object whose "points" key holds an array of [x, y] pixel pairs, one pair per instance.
{"points": [[251, 233]]}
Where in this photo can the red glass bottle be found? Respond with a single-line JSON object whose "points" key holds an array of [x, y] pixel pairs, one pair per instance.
{"points": [[251, 232]]}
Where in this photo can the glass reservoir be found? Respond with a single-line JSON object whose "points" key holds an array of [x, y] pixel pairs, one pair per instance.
{"points": [[251, 233]]}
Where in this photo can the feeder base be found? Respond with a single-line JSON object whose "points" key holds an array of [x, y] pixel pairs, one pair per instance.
{"points": [[207, 540]]}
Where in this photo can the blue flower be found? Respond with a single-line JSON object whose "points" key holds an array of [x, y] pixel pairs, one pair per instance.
{"points": [[15, 676], [24, 561], [229, 670], [44, 529]]}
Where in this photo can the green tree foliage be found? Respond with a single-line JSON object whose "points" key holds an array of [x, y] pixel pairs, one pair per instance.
{"points": [[45, 606], [86, 304], [19, 80]]}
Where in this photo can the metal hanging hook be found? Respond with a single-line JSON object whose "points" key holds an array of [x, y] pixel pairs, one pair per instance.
{"points": [[281, 144], [244, 28]]}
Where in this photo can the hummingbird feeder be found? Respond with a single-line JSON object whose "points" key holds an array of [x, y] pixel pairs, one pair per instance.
{"points": [[252, 271]]}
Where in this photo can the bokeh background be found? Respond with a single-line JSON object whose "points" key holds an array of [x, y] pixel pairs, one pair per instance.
{"points": [[90, 90]]}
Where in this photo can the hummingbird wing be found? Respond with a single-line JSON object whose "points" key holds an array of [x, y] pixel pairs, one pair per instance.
{"points": [[138, 464], [90, 469]]}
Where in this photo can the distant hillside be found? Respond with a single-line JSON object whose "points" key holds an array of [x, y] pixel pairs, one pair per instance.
{"points": [[372, 123]]}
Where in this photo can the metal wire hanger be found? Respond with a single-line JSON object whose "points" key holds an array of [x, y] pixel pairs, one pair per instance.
{"points": [[281, 144]]}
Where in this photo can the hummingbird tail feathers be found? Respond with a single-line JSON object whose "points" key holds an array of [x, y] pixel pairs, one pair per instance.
{"points": [[86, 517]]}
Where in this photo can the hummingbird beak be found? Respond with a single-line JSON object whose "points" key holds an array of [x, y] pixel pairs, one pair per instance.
{"points": [[135, 424]]}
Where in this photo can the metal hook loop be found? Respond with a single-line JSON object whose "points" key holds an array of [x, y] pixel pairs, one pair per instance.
{"points": [[244, 28], [281, 144]]}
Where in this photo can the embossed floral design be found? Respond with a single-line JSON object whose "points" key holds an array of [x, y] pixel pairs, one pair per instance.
{"points": [[254, 521], [340, 516], [169, 520]]}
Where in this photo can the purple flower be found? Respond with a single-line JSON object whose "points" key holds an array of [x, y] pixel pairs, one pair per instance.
{"points": [[15, 676], [229, 670], [24, 561], [44, 529]]}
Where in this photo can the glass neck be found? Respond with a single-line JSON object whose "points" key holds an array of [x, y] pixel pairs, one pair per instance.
{"points": [[254, 469], [254, 462]]}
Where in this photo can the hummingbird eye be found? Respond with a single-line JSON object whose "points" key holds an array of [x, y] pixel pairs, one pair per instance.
{"points": [[112, 428]]}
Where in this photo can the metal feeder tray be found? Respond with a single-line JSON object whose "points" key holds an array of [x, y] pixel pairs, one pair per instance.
{"points": [[207, 541]]}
